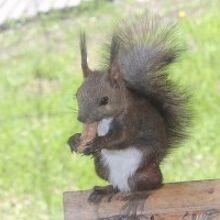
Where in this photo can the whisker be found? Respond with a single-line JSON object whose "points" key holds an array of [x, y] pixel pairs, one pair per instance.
{"points": [[72, 109]]}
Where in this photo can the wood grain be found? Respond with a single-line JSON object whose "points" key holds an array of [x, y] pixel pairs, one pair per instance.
{"points": [[196, 200]]}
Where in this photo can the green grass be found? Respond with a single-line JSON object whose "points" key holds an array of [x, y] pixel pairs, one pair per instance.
{"points": [[37, 82]]}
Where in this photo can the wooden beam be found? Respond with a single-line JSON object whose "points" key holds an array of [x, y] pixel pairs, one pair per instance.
{"points": [[196, 200]]}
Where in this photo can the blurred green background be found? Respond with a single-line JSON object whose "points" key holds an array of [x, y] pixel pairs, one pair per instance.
{"points": [[39, 73]]}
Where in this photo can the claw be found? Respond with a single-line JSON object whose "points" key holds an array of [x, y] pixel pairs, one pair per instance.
{"points": [[99, 192], [89, 150], [95, 197]]}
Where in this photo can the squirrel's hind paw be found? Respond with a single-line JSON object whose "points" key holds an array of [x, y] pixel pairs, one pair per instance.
{"points": [[99, 192]]}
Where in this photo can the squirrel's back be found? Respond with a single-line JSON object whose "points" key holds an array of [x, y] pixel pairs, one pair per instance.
{"points": [[144, 48]]}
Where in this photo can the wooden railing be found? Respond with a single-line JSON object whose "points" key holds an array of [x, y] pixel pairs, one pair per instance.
{"points": [[196, 200]]}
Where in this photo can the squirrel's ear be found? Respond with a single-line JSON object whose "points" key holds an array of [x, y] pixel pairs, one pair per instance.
{"points": [[114, 74], [85, 68]]}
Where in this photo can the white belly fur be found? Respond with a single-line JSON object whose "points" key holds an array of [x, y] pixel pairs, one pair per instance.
{"points": [[122, 164]]}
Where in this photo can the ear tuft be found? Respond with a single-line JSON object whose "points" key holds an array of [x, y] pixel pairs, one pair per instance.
{"points": [[83, 50]]}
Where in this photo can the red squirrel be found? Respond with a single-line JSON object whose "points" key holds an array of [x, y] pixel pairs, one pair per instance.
{"points": [[141, 113]]}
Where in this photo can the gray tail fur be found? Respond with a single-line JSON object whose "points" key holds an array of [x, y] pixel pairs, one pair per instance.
{"points": [[145, 48]]}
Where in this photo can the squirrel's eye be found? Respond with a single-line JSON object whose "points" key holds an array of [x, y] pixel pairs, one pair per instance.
{"points": [[104, 100]]}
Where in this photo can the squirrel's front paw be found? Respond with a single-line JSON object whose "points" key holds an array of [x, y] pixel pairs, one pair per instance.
{"points": [[74, 141], [88, 151], [90, 148]]}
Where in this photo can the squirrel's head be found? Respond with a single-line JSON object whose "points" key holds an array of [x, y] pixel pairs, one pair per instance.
{"points": [[102, 93]]}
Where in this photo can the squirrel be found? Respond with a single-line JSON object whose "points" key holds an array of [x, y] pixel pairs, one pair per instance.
{"points": [[141, 113]]}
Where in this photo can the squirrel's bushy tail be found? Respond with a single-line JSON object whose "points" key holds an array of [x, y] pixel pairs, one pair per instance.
{"points": [[144, 48]]}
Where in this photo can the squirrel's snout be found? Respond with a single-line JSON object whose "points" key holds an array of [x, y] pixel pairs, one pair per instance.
{"points": [[81, 118]]}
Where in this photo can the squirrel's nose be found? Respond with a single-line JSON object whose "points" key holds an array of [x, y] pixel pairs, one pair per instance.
{"points": [[81, 118]]}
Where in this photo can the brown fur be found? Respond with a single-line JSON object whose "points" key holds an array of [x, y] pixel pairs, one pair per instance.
{"points": [[149, 111]]}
